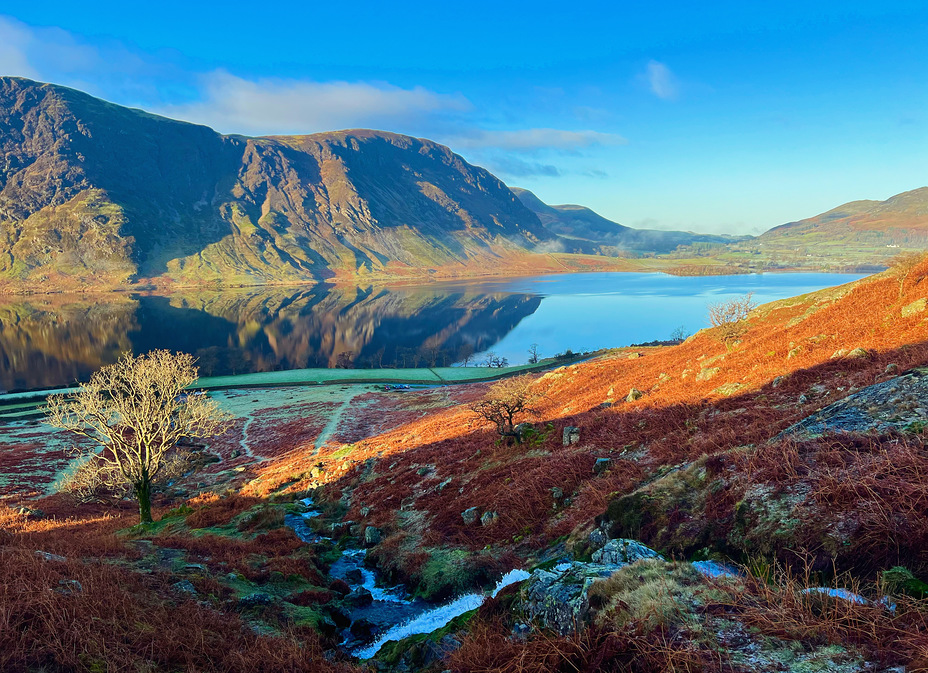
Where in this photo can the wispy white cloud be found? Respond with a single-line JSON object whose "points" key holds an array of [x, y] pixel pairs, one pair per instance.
{"points": [[662, 81], [163, 83], [513, 167], [531, 140], [14, 41], [275, 106]]}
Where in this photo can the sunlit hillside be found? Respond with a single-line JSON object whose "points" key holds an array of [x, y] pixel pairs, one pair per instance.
{"points": [[679, 447]]}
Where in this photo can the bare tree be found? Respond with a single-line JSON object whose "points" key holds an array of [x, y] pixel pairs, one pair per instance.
{"points": [[137, 411], [679, 334], [728, 317], [533, 354], [505, 402]]}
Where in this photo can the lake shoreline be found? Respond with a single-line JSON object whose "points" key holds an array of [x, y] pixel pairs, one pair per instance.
{"points": [[618, 265]]}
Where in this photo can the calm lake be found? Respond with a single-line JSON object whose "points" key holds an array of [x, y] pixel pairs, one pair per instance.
{"points": [[51, 341]]}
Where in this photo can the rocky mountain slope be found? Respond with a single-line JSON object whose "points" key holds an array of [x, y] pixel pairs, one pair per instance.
{"points": [[585, 230], [93, 193]]}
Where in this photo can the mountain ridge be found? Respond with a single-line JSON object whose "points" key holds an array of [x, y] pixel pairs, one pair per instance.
{"points": [[97, 193], [583, 224]]}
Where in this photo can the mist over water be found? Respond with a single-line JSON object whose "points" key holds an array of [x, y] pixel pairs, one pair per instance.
{"points": [[48, 341]]}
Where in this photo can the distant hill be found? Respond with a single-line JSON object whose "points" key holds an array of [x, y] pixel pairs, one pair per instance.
{"points": [[900, 220], [92, 193], [861, 236], [588, 231]]}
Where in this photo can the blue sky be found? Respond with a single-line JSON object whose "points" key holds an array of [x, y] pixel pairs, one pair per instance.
{"points": [[717, 117]]}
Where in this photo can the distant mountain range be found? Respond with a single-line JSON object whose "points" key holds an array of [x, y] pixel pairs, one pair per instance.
{"points": [[93, 194], [587, 231]]}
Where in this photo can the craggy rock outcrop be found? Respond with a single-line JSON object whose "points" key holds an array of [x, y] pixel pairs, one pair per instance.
{"points": [[94, 193], [893, 405], [559, 599]]}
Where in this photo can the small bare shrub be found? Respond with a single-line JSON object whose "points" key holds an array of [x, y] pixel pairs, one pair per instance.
{"points": [[727, 317]]}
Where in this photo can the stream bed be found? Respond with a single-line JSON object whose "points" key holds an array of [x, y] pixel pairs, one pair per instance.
{"points": [[392, 614]]}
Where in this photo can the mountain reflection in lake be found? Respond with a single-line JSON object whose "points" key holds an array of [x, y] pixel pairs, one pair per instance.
{"points": [[54, 340]]}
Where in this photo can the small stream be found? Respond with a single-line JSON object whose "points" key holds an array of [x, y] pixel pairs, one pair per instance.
{"points": [[393, 614]]}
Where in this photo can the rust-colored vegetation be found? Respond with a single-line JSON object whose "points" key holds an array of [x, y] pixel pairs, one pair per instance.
{"points": [[695, 448]]}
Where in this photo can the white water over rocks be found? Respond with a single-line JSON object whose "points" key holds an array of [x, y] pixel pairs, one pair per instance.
{"points": [[438, 617]]}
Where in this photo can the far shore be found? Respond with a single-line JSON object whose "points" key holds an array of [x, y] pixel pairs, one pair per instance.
{"points": [[553, 264]]}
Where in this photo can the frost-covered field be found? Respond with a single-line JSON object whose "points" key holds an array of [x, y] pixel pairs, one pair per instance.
{"points": [[269, 422]]}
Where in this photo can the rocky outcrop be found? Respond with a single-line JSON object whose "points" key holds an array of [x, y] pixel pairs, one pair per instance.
{"points": [[895, 405], [559, 598], [96, 193]]}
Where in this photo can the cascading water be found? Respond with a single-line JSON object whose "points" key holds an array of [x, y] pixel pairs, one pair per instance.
{"points": [[392, 611], [438, 617]]}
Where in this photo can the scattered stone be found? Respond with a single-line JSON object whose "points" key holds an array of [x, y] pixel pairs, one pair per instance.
{"points": [[840, 353], [715, 569], [794, 352], [634, 356], [778, 381], [728, 389], [891, 368], [622, 551], [605, 405], [601, 465], [707, 373], [359, 597], [69, 587], [803, 399], [235, 453], [633, 395], [489, 518], [598, 539], [372, 536], [557, 493], [859, 354], [356, 530], [520, 631], [339, 527], [254, 600], [51, 557], [195, 567], [843, 594], [29, 511], [470, 515], [917, 306], [365, 511], [233, 577], [571, 435], [185, 587], [354, 576], [442, 485], [363, 630]]}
